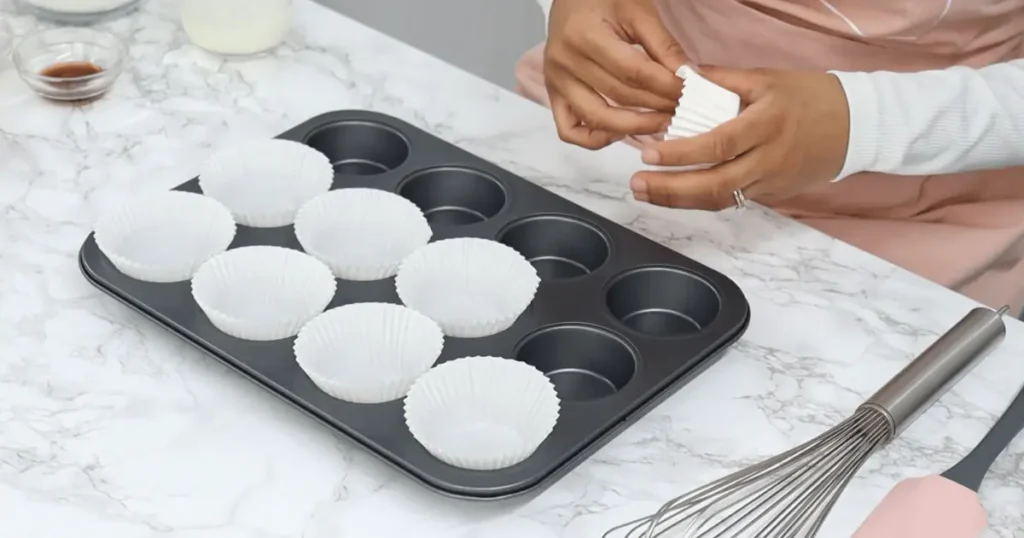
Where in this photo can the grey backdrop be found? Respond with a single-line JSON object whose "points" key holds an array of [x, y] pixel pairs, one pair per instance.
{"points": [[484, 37]]}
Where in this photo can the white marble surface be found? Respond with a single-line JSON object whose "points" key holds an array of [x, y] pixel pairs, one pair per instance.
{"points": [[112, 428]]}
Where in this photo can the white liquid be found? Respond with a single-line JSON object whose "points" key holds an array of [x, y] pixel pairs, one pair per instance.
{"points": [[79, 6], [236, 27]]}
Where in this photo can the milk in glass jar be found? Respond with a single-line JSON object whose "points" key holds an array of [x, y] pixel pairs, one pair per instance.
{"points": [[237, 27]]}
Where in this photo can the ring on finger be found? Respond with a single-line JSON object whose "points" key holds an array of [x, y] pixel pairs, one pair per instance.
{"points": [[740, 199]]}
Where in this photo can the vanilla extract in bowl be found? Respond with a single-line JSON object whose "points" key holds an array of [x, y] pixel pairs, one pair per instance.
{"points": [[71, 70], [70, 64], [69, 79]]}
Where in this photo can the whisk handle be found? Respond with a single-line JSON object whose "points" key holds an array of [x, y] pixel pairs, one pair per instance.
{"points": [[939, 367]]}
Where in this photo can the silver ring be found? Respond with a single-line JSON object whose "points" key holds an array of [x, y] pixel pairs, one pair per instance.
{"points": [[741, 200]]}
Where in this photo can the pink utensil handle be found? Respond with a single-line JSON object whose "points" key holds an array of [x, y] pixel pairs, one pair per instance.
{"points": [[929, 507]]}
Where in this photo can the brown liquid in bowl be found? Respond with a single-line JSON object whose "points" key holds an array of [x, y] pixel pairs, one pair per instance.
{"points": [[71, 70], [70, 81]]}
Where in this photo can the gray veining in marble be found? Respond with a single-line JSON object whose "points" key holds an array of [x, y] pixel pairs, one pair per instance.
{"points": [[112, 428]]}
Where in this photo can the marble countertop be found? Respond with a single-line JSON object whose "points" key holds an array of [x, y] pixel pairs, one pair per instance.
{"points": [[112, 428]]}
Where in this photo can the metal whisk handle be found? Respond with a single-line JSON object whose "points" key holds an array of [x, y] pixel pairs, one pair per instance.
{"points": [[939, 367]]}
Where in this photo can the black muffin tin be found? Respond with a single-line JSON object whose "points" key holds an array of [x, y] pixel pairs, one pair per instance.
{"points": [[618, 322]]}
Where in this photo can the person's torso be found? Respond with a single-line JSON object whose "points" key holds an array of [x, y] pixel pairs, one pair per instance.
{"points": [[862, 35], [848, 35], [980, 214]]}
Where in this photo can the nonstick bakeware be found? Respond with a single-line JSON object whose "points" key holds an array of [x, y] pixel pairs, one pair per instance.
{"points": [[619, 322]]}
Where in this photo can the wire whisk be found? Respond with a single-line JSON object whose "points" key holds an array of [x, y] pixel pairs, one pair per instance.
{"points": [[787, 496], [791, 495]]}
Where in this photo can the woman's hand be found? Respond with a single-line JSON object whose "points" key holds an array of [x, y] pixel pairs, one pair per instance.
{"points": [[590, 58], [792, 133]]}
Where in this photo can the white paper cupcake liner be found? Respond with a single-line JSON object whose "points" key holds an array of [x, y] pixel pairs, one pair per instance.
{"points": [[470, 287], [165, 237], [703, 106], [262, 293], [714, 98], [265, 182], [693, 121], [368, 352], [482, 413], [684, 131], [361, 234]]}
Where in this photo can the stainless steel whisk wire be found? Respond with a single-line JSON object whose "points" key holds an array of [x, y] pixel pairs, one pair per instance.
{"points": [[790, 495], [786, 501]]}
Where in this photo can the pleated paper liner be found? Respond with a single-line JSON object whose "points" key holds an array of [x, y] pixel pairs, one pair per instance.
{"points": [[165, 237], [265, 182], [482, 413], [702, 107], [262, 293], [361, 234], [368, 352], [471, 287]]}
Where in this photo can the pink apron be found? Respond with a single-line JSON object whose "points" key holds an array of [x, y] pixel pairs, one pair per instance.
{"points": [[964, 231]]}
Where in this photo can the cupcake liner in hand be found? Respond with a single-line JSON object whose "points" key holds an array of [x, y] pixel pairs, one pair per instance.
{"points": [[703, 106]]}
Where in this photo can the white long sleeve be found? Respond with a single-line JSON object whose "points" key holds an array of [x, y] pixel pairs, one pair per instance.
{"points": [[935, 122]]}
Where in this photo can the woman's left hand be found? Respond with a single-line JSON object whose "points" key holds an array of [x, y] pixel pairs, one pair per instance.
{"points": [[791, 134]]}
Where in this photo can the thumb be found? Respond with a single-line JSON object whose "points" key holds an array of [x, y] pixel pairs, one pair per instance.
{"points": [[657, 41], [746, 83]]}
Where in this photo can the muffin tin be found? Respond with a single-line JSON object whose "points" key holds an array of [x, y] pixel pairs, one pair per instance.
{"points": [[619, 322]]}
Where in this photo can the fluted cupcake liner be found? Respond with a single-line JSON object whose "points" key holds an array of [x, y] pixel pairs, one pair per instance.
{"points": [[482, 413]]}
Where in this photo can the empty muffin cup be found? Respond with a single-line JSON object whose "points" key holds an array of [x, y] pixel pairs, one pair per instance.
{"points": [[361, 234], [455, 196], [584, 362], [165, 237], [360, 148], [559, 246], [482, 413], [262, 293], [368, 352], [471, 287], [264, 183], [663, 301]]}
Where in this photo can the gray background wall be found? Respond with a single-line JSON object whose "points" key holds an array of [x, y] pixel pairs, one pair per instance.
{"points": [[484, 37]]}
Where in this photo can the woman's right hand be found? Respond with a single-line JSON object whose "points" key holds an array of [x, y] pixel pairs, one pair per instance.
{"points": [[590, 58]]}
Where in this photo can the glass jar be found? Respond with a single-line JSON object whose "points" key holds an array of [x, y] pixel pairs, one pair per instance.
{"points": [[237, 27], [79, 11]]}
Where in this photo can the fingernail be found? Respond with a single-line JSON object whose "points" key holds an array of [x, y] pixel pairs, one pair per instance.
{"points": [[639, 186], [650, 156], [641, 197]]}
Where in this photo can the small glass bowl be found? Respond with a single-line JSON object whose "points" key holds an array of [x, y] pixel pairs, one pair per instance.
{"points": [[82, 13], [70, 64]]}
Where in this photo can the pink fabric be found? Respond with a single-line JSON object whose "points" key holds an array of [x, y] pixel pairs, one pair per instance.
{"points": [[929, 507], [964, 231]]}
